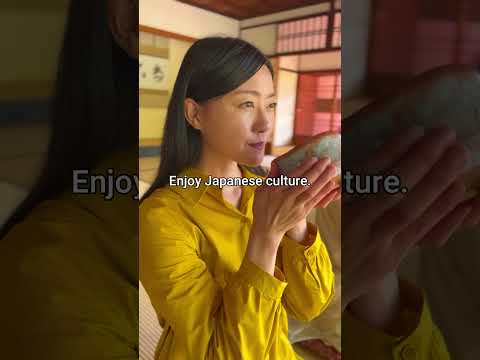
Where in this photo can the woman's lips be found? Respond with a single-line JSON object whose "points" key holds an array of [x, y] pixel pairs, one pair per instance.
{"points": [[258, 146]]}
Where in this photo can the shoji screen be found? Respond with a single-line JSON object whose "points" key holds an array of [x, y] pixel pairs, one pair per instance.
{"points": [[302, 35], [318, 104], [337, 30], [412, 36]]}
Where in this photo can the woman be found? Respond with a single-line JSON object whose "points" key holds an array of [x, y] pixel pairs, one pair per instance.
{"points": [[66, 259], [216, 261]]}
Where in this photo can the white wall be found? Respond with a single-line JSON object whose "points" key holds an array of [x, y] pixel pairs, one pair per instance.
{"points": [[263, 37], [152, 119], [330, 60], [289, 62], [186, 20], [21, 45], [286, 97]]}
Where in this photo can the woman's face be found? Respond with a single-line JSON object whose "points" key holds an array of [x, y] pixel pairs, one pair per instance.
{"points": [[236, 125]]}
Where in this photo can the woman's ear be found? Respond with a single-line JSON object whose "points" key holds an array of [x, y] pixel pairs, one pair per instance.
{"points": [[123, 23], [192, 113]]}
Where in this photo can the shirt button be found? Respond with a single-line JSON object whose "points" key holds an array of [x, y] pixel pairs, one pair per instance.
{"points": [[409, 353]]}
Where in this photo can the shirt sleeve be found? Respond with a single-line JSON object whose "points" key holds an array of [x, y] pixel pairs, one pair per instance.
{"points": [[239, 321], [309, 273], [417, 337]]}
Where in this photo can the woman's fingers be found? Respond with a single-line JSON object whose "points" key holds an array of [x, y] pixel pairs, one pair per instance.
{"points": [[306, 165], [444, 230], [435, 214], [387, 155], [323, 196], [337, 193], [411, 170], [274, 170], [320, 348], [473, 218], [423, 157], [301, 169], [391, 151], [329, 198], [427, 191], [319, 177]]}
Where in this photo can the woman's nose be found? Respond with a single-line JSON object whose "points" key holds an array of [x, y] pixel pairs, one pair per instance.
{"points": [[264, 121]]}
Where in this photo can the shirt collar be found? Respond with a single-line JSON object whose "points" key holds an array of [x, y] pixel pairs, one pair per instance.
{"points": [[194, 194]]}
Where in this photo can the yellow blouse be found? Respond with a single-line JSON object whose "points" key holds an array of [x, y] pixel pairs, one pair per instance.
{"points": [[69, 275], [416, 335], [212, 302]]}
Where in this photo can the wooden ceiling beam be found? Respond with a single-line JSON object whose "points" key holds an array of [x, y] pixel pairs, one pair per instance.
{"points": [[241, 10]]}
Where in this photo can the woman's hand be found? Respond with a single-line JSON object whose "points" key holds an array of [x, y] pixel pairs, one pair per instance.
{"points": [[473, 219], [380, 307], [318, 347], [299, 232], [277, 209], [381, 229]]}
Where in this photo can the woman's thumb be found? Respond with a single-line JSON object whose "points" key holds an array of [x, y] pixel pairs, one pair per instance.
{"points": [[274, 171]]}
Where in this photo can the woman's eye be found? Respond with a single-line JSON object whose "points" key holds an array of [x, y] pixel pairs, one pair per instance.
{"points": [[247, 104], [251, 104]]}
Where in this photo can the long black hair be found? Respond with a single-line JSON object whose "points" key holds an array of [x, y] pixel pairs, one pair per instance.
{"points": [[212, 67], [94, 107]]}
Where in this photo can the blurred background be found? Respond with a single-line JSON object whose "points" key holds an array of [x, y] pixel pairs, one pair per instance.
{"points": [[32, 33], [385, 44]]}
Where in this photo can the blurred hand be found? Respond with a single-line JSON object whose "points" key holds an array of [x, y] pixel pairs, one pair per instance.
{"points": [[473, 219], [380, 230]]}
